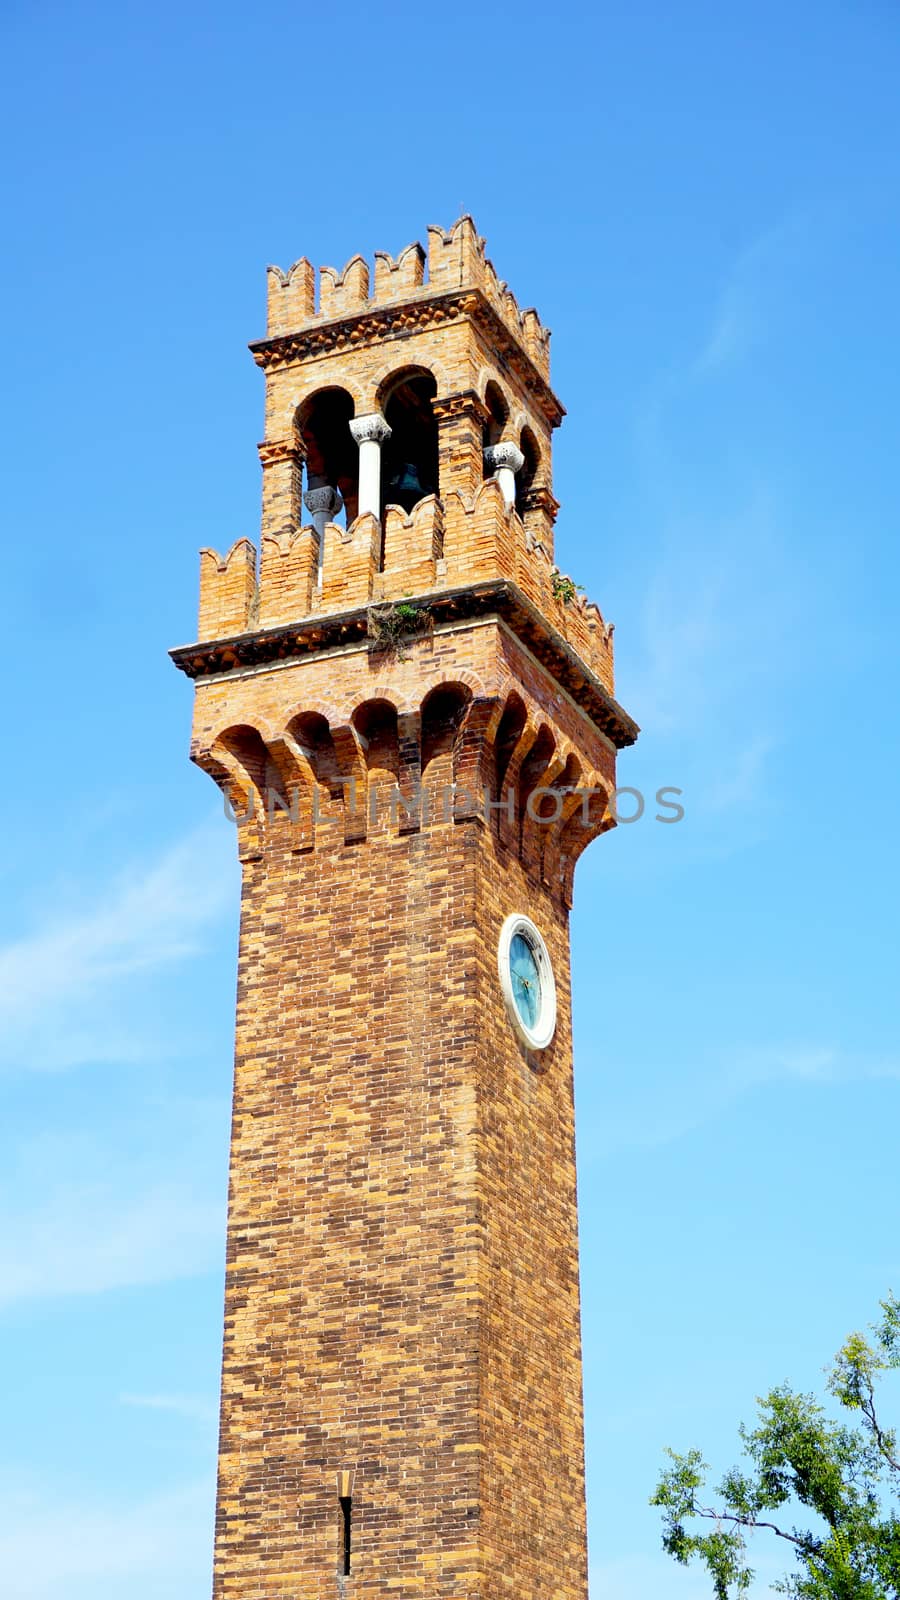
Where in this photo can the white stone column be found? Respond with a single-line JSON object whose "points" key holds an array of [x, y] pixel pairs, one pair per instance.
{"points": [[323, 504], [504, 461], [370, 432]]}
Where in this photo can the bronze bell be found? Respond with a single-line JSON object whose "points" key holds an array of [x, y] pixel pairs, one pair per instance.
{"points": [[404, 487]]}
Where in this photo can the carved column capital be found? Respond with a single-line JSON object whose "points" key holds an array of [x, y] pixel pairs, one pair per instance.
{"points": [[500, 456], [323, 501], [370, 429]]}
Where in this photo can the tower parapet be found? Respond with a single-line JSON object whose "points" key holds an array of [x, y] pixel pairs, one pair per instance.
{"points": [[419, 555], [455, 260]]}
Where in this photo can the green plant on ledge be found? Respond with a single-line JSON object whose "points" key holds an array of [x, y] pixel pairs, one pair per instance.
{"points": [[565, 589], [395, 624]]}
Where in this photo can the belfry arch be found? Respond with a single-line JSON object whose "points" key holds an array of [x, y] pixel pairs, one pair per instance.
{"points": [[528, 472], [331, 455], [496, 415], [409, 457]]}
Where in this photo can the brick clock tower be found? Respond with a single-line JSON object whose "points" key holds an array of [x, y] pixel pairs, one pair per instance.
{"points": [[411, 713]]}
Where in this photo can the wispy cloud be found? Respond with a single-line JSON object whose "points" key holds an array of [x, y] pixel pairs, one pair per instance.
{"points": [[756, 295], [82, 1219], [58, 983], [193, 1407], [55, 1542], [731, 332], [742, 778], [808, 1064], [720, 627], [716, 624], [745, 303], [86, 1240], [701, 1096]]}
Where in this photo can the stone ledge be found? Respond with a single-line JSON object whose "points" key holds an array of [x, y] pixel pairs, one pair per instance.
{"points": [[309, 635], [398, 318]]}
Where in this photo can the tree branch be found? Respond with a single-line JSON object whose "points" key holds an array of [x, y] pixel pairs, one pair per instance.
{"points": [[807, 1543], [868, 1411]]}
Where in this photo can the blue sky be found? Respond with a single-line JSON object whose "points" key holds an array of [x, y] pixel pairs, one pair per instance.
{"points": [[702, 201]]}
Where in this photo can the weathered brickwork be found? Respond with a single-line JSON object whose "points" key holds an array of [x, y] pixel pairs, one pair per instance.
{"points": [[402, 1282], [402, 1268]]}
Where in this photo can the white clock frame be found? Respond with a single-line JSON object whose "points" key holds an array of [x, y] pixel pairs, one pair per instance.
{"points": [[540, 1036]]}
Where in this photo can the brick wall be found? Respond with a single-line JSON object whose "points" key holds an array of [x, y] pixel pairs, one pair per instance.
{"points": [[402, 1292]]}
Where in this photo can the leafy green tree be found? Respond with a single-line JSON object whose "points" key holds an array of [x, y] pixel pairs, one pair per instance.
{"points": [[828, 1489]]}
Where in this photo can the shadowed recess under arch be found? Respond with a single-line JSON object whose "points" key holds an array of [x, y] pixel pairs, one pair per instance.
{"points": [[443, 710], [497, 415], [511, 724], [376, 723], [409, 461], [332, 455], [526, 476]]}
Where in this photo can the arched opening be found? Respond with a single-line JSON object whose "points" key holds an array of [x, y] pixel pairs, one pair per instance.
{"points": [[511, 724], [246, 747], [241, 763], [409, 458], [442, 712], [497, 415], [376, 723], [313, 735], [558, 802], [332, 455], [535, 766], [528, 471], [566, 785]]}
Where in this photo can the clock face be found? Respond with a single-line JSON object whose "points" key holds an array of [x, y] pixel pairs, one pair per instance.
{"points": [[526, 979]]}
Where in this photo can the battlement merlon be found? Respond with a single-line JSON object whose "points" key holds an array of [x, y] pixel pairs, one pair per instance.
{"points": [[460, 277]]}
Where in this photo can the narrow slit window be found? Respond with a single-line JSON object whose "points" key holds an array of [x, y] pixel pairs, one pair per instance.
{"points": [[346, 1505]]}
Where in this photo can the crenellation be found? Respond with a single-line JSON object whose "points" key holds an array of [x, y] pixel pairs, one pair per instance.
{"points": [[349, 565], [228, 588], [440, 544], [413, 545], [405, 275], [479, 536], [346, 291], [455, 260], [291, 296], [288, 567], [526, 325], [537, 339]]}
